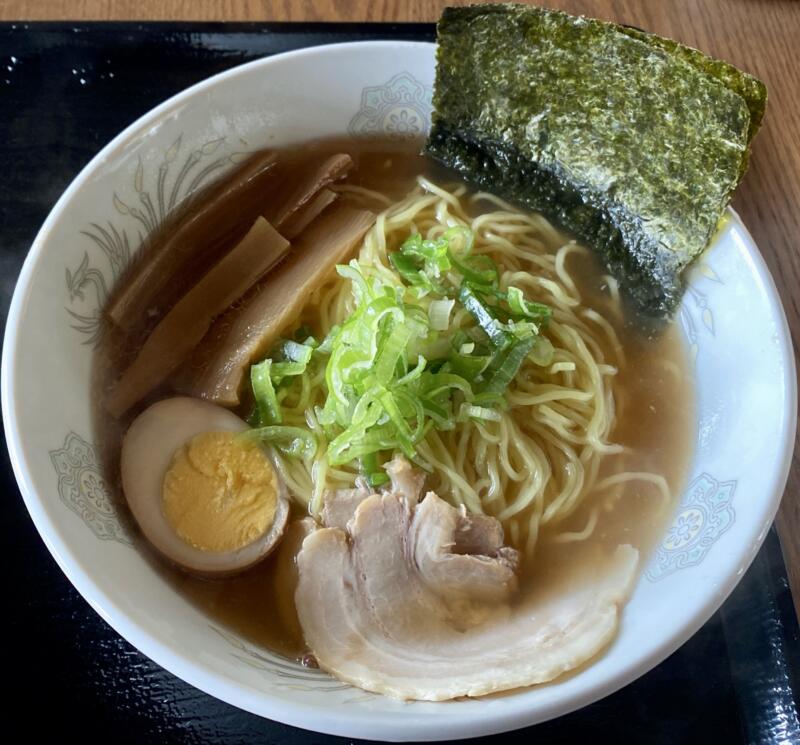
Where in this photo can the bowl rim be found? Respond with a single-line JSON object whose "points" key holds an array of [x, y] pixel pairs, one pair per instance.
{"points": [[333, 720]]}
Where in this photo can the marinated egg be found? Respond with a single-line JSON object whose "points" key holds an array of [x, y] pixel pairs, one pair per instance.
{"points": [[205, 497]]}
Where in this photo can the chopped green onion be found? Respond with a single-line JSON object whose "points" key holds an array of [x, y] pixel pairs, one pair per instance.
{"points": [[377, 478], [469, 367], [414, 374], [297, 357], [293, 441], [267, 408], [439, 313], [509, 362], [374, 474], [327, 343], [479, 270], [523, 308], [469, 411], [405, 361], [543, 352], [482, 315]]}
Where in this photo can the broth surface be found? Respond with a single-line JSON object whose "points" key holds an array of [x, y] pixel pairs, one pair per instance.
{"points": [[655, 422]]}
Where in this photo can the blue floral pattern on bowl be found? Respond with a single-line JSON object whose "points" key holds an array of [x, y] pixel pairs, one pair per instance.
{"points": [[704, 514], [696, 314], [400, 108], [84, 490], [143, 206]]}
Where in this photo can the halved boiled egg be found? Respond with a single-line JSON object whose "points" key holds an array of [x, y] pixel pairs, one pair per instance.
{"points": [[205, 497]]}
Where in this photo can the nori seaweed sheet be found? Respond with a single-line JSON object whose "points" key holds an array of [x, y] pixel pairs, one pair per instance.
{"points": [[631, 142], [751, 89]]}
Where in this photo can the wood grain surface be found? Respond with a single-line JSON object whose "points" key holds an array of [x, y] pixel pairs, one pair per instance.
{"points": [[760, 36]]}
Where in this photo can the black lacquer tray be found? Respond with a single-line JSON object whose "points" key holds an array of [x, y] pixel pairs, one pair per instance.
{"points": [[65, 91]]}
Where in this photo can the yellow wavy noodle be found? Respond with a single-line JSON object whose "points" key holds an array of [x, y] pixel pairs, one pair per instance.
{"points": [[535, 467]]}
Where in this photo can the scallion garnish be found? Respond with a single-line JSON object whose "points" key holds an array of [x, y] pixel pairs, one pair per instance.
{"points": [[401, 364]]}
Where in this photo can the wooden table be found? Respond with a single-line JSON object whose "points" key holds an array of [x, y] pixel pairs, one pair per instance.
{"points": [[760, 36]]}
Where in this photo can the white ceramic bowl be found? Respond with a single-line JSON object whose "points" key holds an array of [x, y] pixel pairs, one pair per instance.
{"points": [[731, 318]]}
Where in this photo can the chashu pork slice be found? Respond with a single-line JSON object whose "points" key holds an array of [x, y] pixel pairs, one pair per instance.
{"points": [[461, 557], [382, 604], [339, 505]]}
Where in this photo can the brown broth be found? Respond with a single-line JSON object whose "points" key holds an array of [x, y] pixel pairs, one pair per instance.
{"points": [[655, 421]]}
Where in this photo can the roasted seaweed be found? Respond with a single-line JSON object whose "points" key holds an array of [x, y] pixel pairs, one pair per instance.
{"points": [[751, 89], [633, 143]]}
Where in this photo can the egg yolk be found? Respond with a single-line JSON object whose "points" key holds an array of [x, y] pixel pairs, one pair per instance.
{"points": [[219, 493]]}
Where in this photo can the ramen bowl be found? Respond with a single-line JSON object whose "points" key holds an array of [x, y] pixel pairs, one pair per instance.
{"points": [[731, 321]]}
